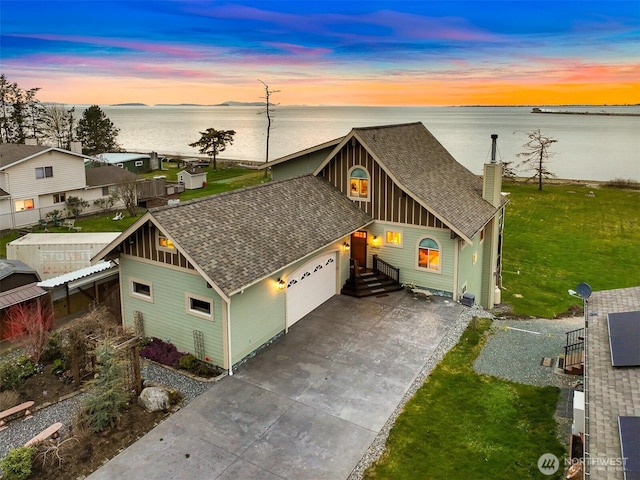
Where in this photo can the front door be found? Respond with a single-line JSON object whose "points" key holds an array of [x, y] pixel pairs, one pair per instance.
{"points": [[359, 248]]}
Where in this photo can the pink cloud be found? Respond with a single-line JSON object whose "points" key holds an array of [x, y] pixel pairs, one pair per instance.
{"points": [[299, 49], [126, 44]]}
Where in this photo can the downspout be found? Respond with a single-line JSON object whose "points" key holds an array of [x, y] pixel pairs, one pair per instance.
{"points": [[230, 357]]}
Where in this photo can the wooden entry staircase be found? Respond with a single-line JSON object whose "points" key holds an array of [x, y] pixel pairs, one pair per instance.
{"points": [[573, 361], [363, 282]]}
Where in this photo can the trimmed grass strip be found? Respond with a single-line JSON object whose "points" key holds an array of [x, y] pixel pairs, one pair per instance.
{"points": [[461, 424]]}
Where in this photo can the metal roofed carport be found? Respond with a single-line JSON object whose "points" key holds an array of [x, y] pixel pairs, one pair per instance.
{"points": [[308, 406]]}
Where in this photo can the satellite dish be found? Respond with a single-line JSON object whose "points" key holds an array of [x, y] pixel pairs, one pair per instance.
{"points": [[584, 290]]}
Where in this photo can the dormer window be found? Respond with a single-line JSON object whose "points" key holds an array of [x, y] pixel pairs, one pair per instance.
{"points": [[358, 184]]}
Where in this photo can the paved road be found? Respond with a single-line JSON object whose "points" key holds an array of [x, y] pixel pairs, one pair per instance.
{"points": [[307, 407]]}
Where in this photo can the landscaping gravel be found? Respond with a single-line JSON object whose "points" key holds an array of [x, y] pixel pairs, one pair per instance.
{"points": [[19, 431], [516, 348]]}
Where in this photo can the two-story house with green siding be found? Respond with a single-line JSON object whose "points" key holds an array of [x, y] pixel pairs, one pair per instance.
{"points": [[223, 275]]}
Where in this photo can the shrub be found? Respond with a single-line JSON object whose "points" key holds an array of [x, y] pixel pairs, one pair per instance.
{"points": [[101, 408], [14, 373], [189, 362], [58, 366], [17, 464], [52, 349], [623, 183], [34, 321], [162, 352]]}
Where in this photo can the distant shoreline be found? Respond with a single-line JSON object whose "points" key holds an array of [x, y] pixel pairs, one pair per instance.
{"points": [[564, 112]]}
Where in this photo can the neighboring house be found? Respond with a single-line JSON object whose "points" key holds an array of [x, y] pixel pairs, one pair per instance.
{"points": [[134, 162], [104, 181], [35, 180], [223, 275], [193, 178], [611, 430], [18, 284]]}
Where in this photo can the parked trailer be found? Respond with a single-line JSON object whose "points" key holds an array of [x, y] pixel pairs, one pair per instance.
{"points": [[53, 254]]}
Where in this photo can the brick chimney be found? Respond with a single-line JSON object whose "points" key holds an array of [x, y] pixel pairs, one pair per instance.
{"points": [[492, 178]]}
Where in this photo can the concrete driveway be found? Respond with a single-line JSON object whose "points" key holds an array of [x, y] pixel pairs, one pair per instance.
{"points": [[308, 406]]}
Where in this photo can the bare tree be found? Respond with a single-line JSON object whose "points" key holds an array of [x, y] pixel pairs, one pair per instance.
{"points": [[128, 193], [268, 109], [536, 155]]}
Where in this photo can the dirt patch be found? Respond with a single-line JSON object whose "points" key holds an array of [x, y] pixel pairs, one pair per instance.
{"points": [[44, 387], [83, 454]]}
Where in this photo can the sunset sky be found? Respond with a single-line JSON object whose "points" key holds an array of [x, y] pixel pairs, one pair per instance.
{"points": [[324, 52]]}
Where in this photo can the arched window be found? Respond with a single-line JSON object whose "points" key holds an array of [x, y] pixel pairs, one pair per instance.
{"points": [[429, 254], [358, 184]]}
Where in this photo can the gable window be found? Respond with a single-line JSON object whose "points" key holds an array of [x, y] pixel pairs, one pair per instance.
{"points": [[199, 306], [22, 205], [164, 243], [429, 254], [44, 172], [142, 290], [59, 197], [393, 238], [359, 184]]}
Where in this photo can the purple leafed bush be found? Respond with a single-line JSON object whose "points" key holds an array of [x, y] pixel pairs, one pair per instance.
{"points": [[162, 352]]}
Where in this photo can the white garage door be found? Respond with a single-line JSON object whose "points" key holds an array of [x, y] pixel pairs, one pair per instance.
{"points": [[310, 286]]}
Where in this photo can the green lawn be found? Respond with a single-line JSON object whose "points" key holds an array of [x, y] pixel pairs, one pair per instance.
{"points": [[560, 237], [464, 425]]}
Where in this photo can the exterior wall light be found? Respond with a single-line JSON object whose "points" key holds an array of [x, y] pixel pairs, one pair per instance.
{"points": [[346, 247], [375, 241], [280, 284]]}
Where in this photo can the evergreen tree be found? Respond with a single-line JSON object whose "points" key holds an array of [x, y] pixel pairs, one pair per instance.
{"points": [[212, 142], [96, 132]]}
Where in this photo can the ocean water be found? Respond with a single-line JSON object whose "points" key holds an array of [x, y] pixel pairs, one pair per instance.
{"points": [[589, 147]]}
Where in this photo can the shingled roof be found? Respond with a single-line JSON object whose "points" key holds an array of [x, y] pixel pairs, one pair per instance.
{"points": [[13, 152], [429, 173], [422, 167], [239, 237], [108, 175]]}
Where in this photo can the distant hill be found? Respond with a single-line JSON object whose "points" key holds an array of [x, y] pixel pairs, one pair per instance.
{"points": [[128, 105], [225, 104]]}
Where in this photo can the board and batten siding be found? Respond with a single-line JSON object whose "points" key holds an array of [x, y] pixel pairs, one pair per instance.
{"points": [[143, 244], [405, 257], [166, 316], [388, 201]]}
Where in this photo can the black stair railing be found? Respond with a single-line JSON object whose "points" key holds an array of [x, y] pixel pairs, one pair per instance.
{"points": [[383, 267], [574, 348]]}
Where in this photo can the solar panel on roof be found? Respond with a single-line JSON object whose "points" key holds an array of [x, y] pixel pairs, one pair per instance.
{"points": [[624, 338], [629, 428]]}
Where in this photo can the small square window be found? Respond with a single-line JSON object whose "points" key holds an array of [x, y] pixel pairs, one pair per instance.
{"points": [[59, 197], [142, 290], [199, 306], [139, 163], [105, 191]]}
